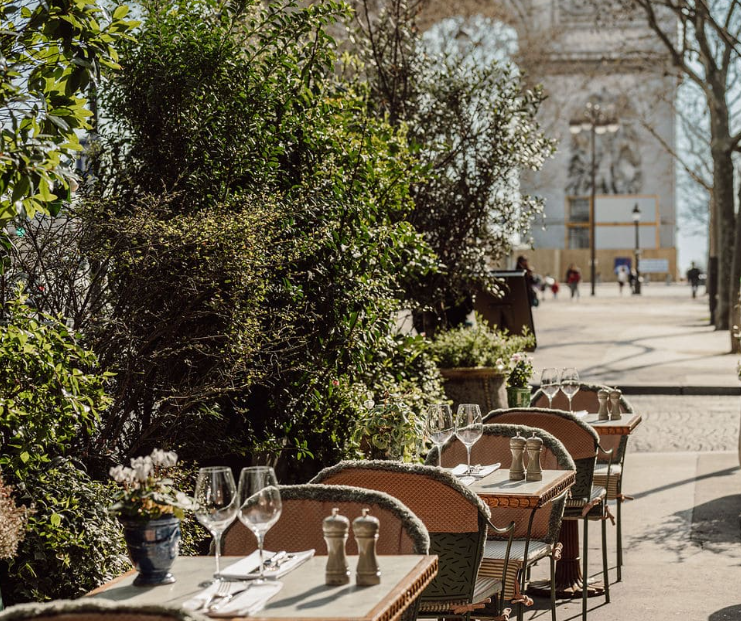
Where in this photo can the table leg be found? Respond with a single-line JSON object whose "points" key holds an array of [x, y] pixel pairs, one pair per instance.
{"points": [[569, 579]]}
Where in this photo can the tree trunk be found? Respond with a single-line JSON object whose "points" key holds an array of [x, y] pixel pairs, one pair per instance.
{"points": [[735, 287], [723, 204]]}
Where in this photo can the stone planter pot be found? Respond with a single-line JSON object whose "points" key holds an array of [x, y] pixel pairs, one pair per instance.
{"points": [[482, 385], [153, 547], [518, 397]]}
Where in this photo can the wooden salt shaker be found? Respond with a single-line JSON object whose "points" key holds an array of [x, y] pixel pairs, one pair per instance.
{"points": [[336, 528], [365, 529], [517, 469], [615, 404], [534, 447], [602, 396]]}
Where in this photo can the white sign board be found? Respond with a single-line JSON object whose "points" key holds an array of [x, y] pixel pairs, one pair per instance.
{"points": [[653, 266]]}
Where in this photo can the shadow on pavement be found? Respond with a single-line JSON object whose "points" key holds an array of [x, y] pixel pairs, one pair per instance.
{"points": [[715, 523], [730, 613]]}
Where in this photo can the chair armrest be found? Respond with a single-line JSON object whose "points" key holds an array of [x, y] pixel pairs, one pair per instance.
{"points": [[510, 528], [607, 454]]}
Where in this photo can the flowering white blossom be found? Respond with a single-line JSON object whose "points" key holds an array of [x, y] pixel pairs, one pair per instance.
{"points": [[120, 474], [166, 459], [143, 467]]}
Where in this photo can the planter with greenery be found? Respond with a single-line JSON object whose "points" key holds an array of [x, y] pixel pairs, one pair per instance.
{"points": [[518, 388], [150, 510], [473, 363]]}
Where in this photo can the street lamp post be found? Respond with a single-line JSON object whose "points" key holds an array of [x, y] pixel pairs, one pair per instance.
{"points": [[596, 122], [637, 222]]}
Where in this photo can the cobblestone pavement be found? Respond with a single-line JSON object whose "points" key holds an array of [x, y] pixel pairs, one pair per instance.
{"points": [[686, 423]]}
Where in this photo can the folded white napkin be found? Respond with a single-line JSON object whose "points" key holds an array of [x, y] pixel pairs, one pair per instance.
{"points": [[249, 598], [248, 567], [479, 473]]}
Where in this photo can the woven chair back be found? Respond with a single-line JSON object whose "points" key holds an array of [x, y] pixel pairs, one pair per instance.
{"points": [[304, 509], [493, 447], [95, 609], [455, 518], [586, 399], [579, 439]]}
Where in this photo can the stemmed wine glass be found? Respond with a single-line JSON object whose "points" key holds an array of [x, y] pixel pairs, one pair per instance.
{"points": [[439, 426], [570, 383], [549, 384], [216, 503], [259, 505], [468, 428]]}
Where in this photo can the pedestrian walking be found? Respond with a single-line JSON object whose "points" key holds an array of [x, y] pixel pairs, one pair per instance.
{"points": [[622, 277], [530, 281], [573, 278], [693, 277]]}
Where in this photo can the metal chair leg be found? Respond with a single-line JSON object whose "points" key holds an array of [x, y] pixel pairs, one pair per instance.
{"points": [[585, 572], [619, 525], [553, 588], [605, 574]]}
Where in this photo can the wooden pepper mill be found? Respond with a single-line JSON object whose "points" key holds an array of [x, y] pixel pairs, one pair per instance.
{"points": [[336, 528], [615, 404], [602, 396], [365, 529], [517, 468], [534, 447]]}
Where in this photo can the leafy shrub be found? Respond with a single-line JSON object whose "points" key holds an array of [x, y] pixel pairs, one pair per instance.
{"points": [[72, 544], [477, 346], [50, 393]]}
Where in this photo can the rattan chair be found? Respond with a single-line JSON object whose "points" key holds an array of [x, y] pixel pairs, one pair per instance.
{"points": [[96, 610], [456, 520], [536, 530], [587, 501], [586, 399], [305, 507]]}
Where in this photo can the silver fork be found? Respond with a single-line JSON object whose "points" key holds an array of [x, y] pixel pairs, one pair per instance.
{"points": [[221, 592], [228, 597]]}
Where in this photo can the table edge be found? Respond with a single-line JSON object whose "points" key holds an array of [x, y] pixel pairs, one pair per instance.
{"points": [[561, 484]]}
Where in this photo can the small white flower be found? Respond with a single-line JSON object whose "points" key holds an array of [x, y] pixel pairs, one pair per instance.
{"points": [[158, 457], [117, 474], [369, 404], [127, 475], [142, 470], [170, 459]]}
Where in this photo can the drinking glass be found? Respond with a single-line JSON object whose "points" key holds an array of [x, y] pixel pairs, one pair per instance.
{"points": [[468, 428], [570, 383], [439, 426], [549, 383], [259, 504], [216, 503]]}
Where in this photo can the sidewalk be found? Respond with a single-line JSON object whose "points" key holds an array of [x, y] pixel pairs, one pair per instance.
{"points": [[682, 544], [682, 548], [658, 342]]}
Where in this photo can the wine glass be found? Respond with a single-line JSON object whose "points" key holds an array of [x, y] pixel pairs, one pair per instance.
{"points": [[439, 426], [259, 505], [570, 383], [216, 503], [549, 383], [468, 428]]}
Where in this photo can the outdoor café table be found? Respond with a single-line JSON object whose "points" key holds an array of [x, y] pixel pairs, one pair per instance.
{"points": [[569, 580], [496, 490], [304, 596]]}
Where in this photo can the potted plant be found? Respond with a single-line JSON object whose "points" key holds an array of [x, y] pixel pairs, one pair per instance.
{"points": [[12, 525], [474, 362], [150, 510], [518, 388], [389, 430]]}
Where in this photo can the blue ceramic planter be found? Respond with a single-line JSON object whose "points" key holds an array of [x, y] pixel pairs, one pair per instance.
{"points": [[153, 547]]}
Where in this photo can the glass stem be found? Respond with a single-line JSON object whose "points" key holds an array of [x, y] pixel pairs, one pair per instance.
{"points": [[570, 409], [217, 548], [550, 402], [260, 543], [468, 458]]}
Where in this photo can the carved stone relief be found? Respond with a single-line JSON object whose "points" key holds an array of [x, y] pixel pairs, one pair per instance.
{"points": [[617, 162]]}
